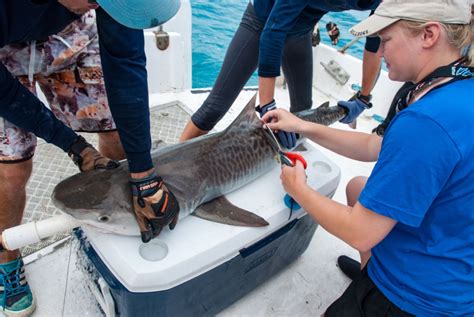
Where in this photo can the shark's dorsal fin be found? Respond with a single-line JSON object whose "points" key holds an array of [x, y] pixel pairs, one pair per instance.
{"points": [[247, 118], [223, 211], [324, 105]]}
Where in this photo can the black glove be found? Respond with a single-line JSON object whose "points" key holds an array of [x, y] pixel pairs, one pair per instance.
{"points": [[355, 106], [87, 158], [155, 207], [287, 139]]}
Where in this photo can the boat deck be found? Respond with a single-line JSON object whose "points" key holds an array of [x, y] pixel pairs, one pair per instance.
{"points": [[304, 288]]}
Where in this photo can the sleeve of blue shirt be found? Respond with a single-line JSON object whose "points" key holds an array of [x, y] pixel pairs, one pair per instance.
{"points": [[123, 60], [43, 18], [281, 19], [372, 43], [416, 159]]}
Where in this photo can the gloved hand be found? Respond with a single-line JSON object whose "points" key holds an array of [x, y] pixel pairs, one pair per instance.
{"points": [[355, 106], [87, 158], [287, 139], [154, 205]]}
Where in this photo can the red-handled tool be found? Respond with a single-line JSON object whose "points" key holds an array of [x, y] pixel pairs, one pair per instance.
{"points": [[289, 159], [294, 157]]}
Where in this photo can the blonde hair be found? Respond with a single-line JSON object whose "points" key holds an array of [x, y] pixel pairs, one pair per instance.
{"points": [[459, 35]]}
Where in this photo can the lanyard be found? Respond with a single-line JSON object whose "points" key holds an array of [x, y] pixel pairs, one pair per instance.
{"points": [[456, 71]]}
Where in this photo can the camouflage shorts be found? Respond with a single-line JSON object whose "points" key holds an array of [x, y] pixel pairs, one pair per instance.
{"points": [[67, 69]]}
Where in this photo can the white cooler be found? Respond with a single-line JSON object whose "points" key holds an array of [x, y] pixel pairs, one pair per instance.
{"points": [[202, 267]]}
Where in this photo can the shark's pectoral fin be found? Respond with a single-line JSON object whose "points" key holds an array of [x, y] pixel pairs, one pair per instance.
{"points": [[223, 211]]}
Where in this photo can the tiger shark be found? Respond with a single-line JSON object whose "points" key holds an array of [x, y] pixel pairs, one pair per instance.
{"points": [[199, 172]]}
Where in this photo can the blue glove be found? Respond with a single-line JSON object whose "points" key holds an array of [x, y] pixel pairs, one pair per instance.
{"points": [[287, 139], [354, 107]]}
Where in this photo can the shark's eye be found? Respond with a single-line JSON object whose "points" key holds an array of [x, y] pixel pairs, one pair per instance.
{"points": [[103, 218]]}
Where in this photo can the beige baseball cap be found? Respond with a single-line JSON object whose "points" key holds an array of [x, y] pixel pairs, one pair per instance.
{"points": [[390, 11]]}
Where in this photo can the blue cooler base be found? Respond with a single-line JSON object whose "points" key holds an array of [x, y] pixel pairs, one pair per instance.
{"points": [[214, 290]]}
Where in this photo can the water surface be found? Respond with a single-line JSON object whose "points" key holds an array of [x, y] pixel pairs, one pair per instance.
{"points": [[215, 22]]}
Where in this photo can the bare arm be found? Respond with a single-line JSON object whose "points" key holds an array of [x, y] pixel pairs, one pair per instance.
{"points": [[78, 6], [358, 226], [370, 71], [266, 89], [355, 145]]}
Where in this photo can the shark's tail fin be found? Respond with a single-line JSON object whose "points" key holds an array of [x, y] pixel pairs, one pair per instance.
{"points": [[324, 114]]}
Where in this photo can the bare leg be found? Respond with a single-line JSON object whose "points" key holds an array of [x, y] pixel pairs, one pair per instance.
{"points": [[13, 179], [191, 131], [353, 190], [110, 145]]}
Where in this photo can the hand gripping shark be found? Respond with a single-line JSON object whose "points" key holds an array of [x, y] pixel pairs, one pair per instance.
{"points": [[199, 172]]}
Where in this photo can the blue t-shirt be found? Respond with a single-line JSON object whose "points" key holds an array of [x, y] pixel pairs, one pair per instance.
{"points": [[424, 179]]}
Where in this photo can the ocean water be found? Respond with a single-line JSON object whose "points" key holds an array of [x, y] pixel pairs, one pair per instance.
{"points": [[214, 24]]}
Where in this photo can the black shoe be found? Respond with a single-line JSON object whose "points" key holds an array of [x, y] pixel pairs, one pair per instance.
{"points": [[348, 266]]}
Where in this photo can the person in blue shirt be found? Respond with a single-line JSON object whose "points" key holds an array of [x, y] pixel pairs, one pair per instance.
{"points": [[23, 115], [412, 219], [273, 34]]}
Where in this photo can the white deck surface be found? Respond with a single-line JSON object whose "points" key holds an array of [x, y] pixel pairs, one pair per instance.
{"points": [[304, 288]]}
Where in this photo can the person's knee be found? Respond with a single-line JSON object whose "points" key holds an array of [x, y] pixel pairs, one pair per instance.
{"points": [[354, 188], [207, 116], [14, 177], [111, 146]]}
